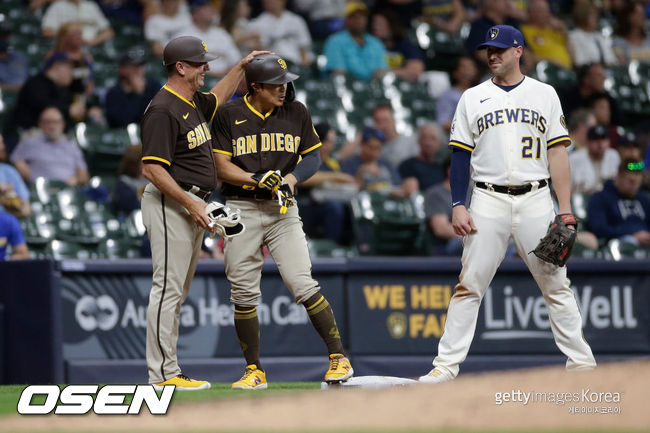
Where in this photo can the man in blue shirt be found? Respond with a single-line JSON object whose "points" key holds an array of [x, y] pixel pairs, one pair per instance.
{"points": [[620, 210], [12, 234], [353, 50], [14, 195]]}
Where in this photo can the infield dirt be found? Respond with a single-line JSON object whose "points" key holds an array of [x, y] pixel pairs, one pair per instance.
{"points": [[469, 402]]}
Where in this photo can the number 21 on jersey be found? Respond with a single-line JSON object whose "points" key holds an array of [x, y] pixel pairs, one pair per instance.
{"points": [[527, 149]]}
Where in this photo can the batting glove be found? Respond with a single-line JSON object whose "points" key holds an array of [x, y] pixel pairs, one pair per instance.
{"points": [[285, 198], [269, 180]]}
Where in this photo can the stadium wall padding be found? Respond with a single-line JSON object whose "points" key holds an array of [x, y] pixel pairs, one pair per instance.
{"points": [[78, 321]]}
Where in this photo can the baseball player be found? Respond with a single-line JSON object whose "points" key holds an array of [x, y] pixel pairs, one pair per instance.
{"points": [[512, 131], [259, 141], [178, 160]]}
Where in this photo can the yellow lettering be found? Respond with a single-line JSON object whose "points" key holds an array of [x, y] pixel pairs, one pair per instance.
{"points": [[206, 131], [432, 328], [266, 142], [288, 143], [296, 144], [279, 140], [418, 297], [251, 144], [416, 323], [191, 138], [376, 296], [241, 149], [397, 300], [200, 138], [272, 138]]}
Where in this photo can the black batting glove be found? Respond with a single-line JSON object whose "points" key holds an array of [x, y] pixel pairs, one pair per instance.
{"points": [[285, 198], [269, 180]]}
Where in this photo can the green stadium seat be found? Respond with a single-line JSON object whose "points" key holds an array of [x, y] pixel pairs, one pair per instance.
{"points": [[329, 248], [72, 250], [389, 226], [120, 249], [554, 75]]}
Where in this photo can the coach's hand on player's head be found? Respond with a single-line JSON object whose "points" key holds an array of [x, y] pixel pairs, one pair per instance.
{"points": [[271, 179], [462, 221], [246, 60]]}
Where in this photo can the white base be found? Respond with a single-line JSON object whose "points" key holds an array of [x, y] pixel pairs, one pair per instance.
{"points": [[371, 382]]}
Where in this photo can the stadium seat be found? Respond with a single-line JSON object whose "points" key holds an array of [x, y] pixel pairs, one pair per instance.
{"points": [[103, 147], [72, 250], [328, 248], [554, 75], [388, 226], [120, 249]]}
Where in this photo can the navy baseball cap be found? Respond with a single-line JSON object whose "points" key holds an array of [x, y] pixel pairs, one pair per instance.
{"points": [[597, 132], [369, 133], [502, 36]]}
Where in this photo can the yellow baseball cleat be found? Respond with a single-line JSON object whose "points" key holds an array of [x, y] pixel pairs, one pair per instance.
{"points": [[340, 369], [253, 378], [183, 383]]}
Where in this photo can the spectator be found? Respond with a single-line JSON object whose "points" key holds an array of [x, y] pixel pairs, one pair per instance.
{"points": [[131, 182], [353, 50], [127, 99], [438, 211], [464, 75], [14, 195], [324, 17], [406, 10], [587, 44], [405, 59], [70, 42], [160, 28], [632, 41], [323, 216], [599, 104], [50, 154], [422, 171], [133, 12], [95, 27], [579, 123], [397, 147], [371, 171], [591, 80], [620, 211], [235, 19], [14, 67], [12, 234], [595, 164], [629, 147], [494, 12], [444, 15], [50, 87], [284, 33], [219, 41], [546, 35]]}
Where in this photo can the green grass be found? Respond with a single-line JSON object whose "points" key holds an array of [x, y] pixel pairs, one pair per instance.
{"points": [[9, 394]]}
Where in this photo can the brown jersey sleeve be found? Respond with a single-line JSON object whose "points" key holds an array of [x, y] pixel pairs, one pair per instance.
{"points": [[310, 140], [159, 131], [221, 134], [207, 104]]}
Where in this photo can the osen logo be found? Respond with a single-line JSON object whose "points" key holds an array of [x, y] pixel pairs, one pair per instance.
{"points": [[396, 324], [100, 312]]}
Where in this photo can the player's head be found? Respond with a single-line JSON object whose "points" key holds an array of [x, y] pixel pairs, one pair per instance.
{"points": [[187, 57], [505, 46], [630, 177], [269, 78]]}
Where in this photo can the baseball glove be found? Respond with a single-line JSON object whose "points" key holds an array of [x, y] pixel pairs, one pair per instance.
{"points": [[224, 220], [285, 198], [269, 180], [556, 246]]}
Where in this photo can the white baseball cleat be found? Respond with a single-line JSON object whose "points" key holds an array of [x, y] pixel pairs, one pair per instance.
{"points": [[437, 375]]}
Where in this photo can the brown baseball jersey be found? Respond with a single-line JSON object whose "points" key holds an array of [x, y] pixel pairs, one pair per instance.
{"points": [[260, 142], [175, 132]]}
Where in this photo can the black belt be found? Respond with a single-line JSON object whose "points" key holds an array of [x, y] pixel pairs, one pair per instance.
{"points": [[255, 194], [203, 194], [511, 190]]}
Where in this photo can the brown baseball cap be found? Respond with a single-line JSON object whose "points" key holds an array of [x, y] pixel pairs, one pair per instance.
{"points": [[186, 48]]}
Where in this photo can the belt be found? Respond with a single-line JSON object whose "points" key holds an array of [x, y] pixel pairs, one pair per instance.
{"points": [[254, 194], [511, 190], [203, 194]]}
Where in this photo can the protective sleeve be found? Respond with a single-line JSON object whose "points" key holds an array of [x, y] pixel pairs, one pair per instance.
{"points": [[459, 176], [307, 166]]}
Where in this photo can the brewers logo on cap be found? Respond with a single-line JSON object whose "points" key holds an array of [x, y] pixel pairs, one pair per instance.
{"points": [[494, 32]]}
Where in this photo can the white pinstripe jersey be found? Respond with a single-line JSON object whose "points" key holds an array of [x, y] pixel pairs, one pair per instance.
{"points": [[509, 132]]}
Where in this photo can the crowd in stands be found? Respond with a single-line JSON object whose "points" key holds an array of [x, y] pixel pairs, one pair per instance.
{"points": [[59, 84]]}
